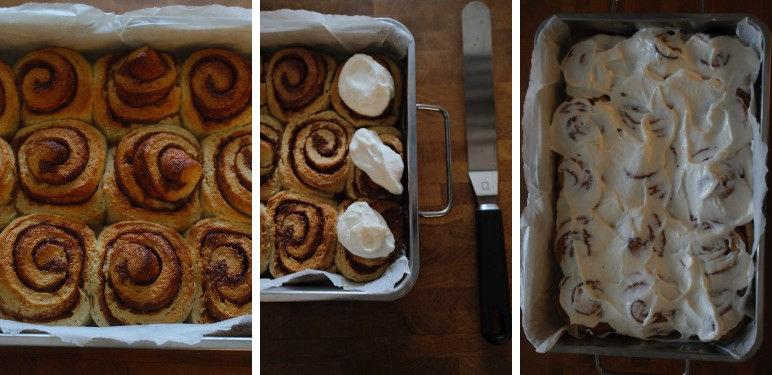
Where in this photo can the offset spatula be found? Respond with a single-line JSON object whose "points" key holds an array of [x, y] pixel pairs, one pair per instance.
{"points": [[495, 313]]}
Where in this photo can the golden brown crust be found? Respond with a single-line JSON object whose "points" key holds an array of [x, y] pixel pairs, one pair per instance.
{"points": [[393, 112], [314, 154], [9, 102], [153, 175], [54, 83], [266, 239], [359, 184], [216, 91], [227, 187], [270, 151], [303, 233], [225, 255], [143, 273], [42, 279], [60, 166], [133, 90], [7, 183], [298, 83]]}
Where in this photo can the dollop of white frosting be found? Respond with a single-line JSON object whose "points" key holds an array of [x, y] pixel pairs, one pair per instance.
{"points": [[656, 183], [382, 164], [365, 85], [364, 232]]}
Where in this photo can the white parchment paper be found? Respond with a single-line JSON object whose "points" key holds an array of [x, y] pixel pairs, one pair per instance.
{"points": [[92, 32], [341, 34], [538, 292]]}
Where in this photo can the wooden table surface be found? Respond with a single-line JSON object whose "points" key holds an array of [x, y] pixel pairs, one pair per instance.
{"points": [[435, 328], [36, 360], [554, 364]]}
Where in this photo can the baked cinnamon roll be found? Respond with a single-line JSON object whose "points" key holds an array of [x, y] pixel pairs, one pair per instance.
{"points": [[390, 115], [142, 273], [153, 175], [60, 166], [225, 255], [227, 186], [266, 239], [359, 269], [54, 83], [7, 184], [270, 150], [303, 233], [314, 154], [135, 89], [216, 91], [359, 184], [298, 83], [9, 102], [43, 275]]}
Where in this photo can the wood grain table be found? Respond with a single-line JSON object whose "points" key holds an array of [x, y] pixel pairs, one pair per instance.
{"points": [[37, 360], [554, 364], [435, 328]]}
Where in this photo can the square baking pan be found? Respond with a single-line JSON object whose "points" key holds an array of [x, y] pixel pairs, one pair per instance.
{"points": [[321, 292], [582, 26]]}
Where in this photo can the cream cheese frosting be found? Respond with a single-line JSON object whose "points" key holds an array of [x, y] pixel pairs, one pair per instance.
{"points": [[382, 164], [365, 85], [656, 183], [364, 232]]}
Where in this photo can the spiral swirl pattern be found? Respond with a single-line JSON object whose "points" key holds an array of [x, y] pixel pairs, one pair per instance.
{"points": [[314, 154], [7, 183], [60, 166], [299, 83], [359, 184], [225, 252], [54, 83], [227, 190], [270, 146], [144, 273], [216, 91], [135, 89], [9, 102], [42, 280], [303, 233], [390, 115]]}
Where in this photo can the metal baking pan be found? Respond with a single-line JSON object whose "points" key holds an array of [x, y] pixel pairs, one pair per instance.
{"points": [[313, 292], [584, 25]]}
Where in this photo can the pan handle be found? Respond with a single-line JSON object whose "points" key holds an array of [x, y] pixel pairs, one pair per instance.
{"points": [[603, 371], [449, 191]]}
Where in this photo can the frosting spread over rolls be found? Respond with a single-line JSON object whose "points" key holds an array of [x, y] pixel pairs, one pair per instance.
{"points": [[656, 183]]}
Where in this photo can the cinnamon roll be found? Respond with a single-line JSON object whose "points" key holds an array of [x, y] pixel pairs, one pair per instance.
{"points": [[225, 255], [43, 275], [153, 175], [227, 186], [216, 91], [142, 273], [135, 89], [266, 239], [9, 102], [303, 231], [60, 166], [270, 146], [298, 83], [314, 154], [54, 83], [7, 183], [390, 115], [359, 184], [263, 85], [359, 269]]}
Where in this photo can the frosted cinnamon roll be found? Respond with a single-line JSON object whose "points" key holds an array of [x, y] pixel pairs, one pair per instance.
{"points": [[270, 149], [142, 273], [377, 115], [153, 175], [42, 279], [9, 102], [60, 166], [266, 239], [314, 154], [227, 187], [216, 91], [303, 231], [359, 184], [360, 269], [225, 255], [298, 83], [135, 89], [54, 83], [7, 183]]}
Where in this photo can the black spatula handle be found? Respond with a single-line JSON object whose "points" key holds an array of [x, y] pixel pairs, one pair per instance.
{"points": [[495, 312]]}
